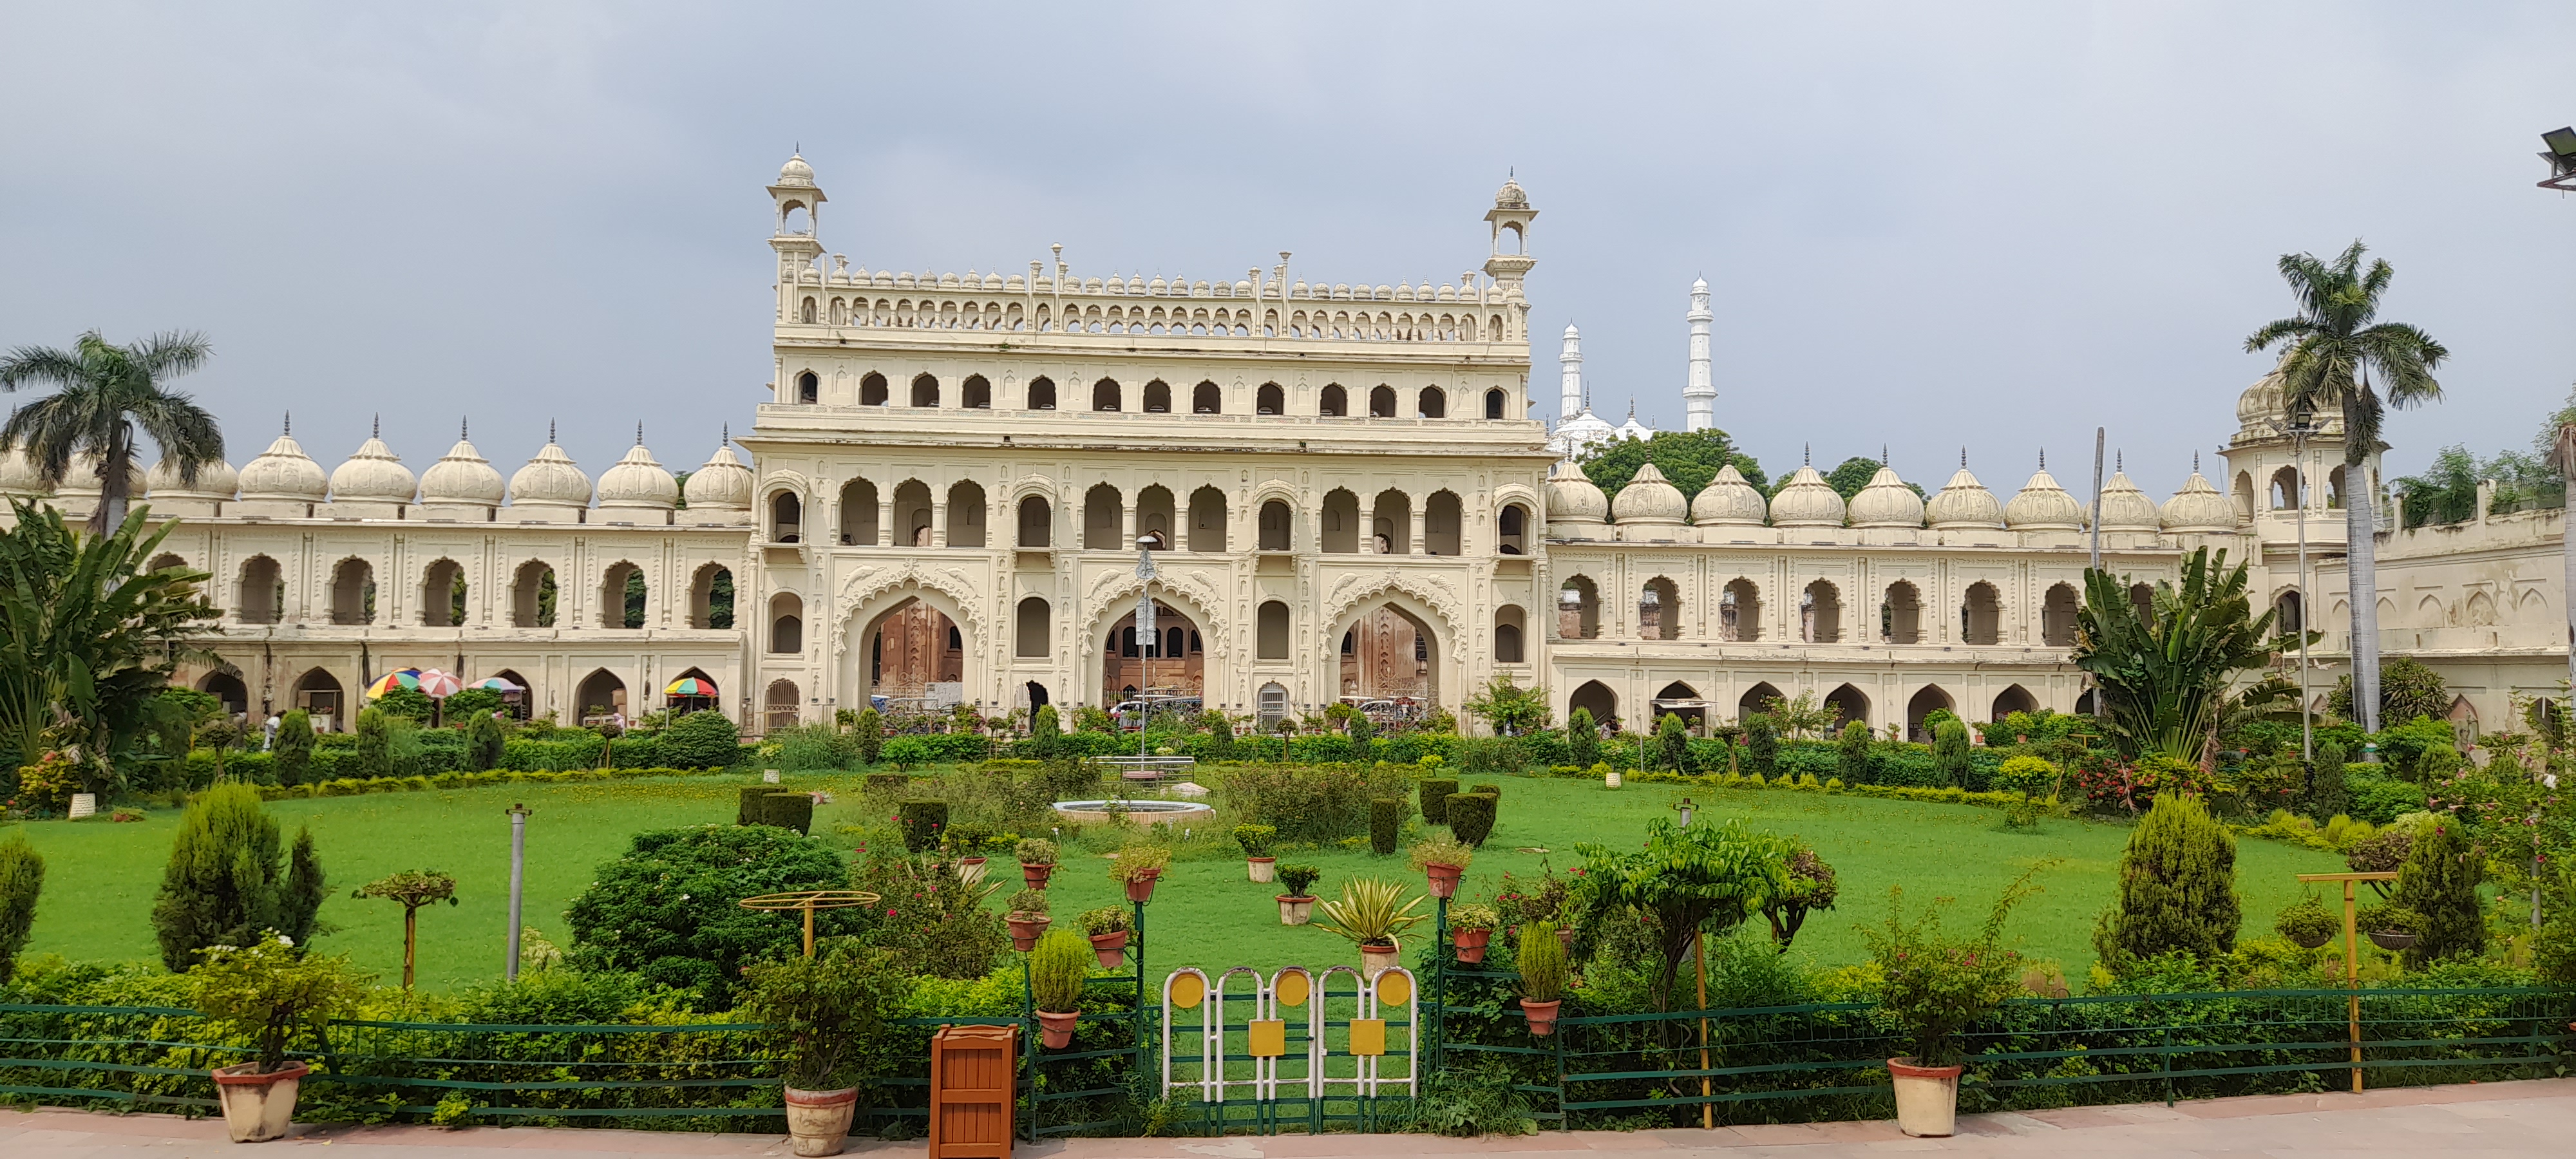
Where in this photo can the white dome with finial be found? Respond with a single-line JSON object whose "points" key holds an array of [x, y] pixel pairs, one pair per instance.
{"points": [[1729, 500], [1964, 504], [1511, 196], [2126, 508], [551, 479], [796, 173], [463, 478], [2198, 508], [1572, 497], [1650, 498], [2042, 505], [284, 473], [637, 482], [1886, 502], [215, 480], [374, 475], [1807, 501], [19, 476], [81, 479], [723, 483]]}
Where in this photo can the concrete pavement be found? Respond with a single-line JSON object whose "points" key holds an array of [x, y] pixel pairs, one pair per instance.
{"points": [[2536, 1118]]}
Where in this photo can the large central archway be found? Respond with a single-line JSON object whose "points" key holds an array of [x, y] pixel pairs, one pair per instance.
{"points": [[1388, 652], [1172, 661], [906, 649]]}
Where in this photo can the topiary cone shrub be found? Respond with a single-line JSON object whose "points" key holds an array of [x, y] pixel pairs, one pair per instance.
{"points": [[1435, 799], [2177, 887], [788, 811], [1471, 817], [752, 809], [922, 822], [1386, 824], [2440, 881], [1761, 745], [1058, 968]]}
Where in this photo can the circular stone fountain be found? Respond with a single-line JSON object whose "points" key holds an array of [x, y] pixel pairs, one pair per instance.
{"points": [[1138, 812]]}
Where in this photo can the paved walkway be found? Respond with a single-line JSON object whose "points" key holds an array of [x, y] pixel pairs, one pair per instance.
{"points": [[2487, 1120]]}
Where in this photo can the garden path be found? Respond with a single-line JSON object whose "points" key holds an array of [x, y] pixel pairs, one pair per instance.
{"points": [[2492, 1119]]}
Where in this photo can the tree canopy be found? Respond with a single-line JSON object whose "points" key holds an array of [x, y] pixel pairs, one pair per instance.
{"points": [[104, 392], [1689, 459]]}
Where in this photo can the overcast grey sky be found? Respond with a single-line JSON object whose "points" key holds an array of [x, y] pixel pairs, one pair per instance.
{"points": [[1926, 225]]}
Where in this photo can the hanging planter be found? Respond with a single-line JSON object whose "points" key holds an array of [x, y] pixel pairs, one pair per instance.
{"points": [[1471, 944], [1109, 928], [1026, 928], [1036, 875], [1443, 879], [1141, 886], [1443, 860], [1110, 948], [1137, 867], [1541, 1015], [1471, 930], [1055, 1027], [1037, 861], [2394, 939]]}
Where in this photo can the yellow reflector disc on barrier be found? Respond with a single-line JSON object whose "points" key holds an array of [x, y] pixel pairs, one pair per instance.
{"points": [[1188, 990], [1394, 989], [1266, 1039], [1291, 988]]}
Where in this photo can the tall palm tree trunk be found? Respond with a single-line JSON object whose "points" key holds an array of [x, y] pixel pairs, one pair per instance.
{"points": [[2361, 575]]}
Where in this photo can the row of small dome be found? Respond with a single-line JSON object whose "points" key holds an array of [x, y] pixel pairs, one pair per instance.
{"points": [[463, 477], [1808, 501]]}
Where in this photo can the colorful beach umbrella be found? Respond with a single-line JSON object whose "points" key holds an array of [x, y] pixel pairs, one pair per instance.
{"points": [[438, 685], [399, 678], [498, 684], [690, 686]]}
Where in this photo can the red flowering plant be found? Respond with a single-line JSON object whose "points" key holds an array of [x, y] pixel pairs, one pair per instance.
{"points": [[1936, 985], [2114, 785], [935, 919]]}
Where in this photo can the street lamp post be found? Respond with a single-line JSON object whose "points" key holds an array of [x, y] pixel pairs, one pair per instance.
{"points": [[2298, 426], [1147, 639]]}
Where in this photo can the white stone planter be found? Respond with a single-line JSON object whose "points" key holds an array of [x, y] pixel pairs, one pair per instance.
{"points": [[258, 1107], [1261, 869], [818, 1121], [1927, 1098]]}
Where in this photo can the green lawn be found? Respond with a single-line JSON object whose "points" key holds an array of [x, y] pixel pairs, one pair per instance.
{"points": [[101, 877]]}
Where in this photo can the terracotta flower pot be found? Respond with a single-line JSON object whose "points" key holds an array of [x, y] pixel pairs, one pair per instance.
{"points": [[2393, 939], [1110, 948], [818, 1121], [1927, 1098], [1036, 875], [1542, 1016], [1261, 869], [1471, 944], [1055, 1029], [258, 1106], [1295, 911], [1025, 929], [1141, 886], [1565, 938], [1444, 879], [1375, 960], [970, 869]]}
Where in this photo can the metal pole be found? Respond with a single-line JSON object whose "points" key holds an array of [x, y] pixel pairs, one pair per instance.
{"points": [[2307, 722], [1707, 1109], [2097, 499], [518, 877], [2352, 977]]}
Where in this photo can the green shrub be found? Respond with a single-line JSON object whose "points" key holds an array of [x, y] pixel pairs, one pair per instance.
{"points": [[230, 877], [375, 743], [752, 808], [1386, 824], [22, 878], [293, 747], [2025, 774], [269, 987], [1036, 851], [1471, 816], [907, 752], [1541, 964], [922, 823], [1046, 733], [667, 908], [869, 730], [1761, 745], [1319, 804], [2326, 793], [466, 702], [2554, 949], [1851, 753], [2177, 889], [483, 740], [1107, 919], [2377, 797], [1937, 985], [1950, 752], [1582, 738], [705, 739], [1298, 878], [788, 811], [1058, 968], [2307, 920], [818, 1013], [1255, 839], [1434, 795], [1672, 743], [2440, 881], [1496, 790]]}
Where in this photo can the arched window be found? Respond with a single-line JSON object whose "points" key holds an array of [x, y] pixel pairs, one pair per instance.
{"points": [[1155, 517], [786, 624], [2011, 700], [1102, 519], [1578, 609], [1442, 518], [1820, 614], [1900, 615], [1849, 703], [805, 313], [1382, 402], [1391, 524], [1926, 701], [1041, 394], [977, 393], [1334, 403], [2243, 493], [1269, 400], [912, 513], [859, 513], [533, 596], [2057, 617], [1512, 527], [965, 514], [1659, 610], [1341, 521], [1037, 522], [1596, 698], [925, 390], [2285, 489], [1981, 618], [2289, 614], [1271, 633], [711, 597], [872, 389], [786, 518], [1158, 397], [353, 592], [1433, 404], [260, 597], [1278, 526], [778, 705], [2142, 600], [1207, 520], [1104, 394], [1030, 628], [1509, 623], [809, 389], [1206, 399], [1494, 403], [1739, 611], [621, 596]]}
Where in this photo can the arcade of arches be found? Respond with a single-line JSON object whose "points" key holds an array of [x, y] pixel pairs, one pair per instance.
{"points": [[911, 646]]}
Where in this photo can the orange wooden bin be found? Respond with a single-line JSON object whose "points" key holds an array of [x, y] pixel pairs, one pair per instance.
{"points": [[973, 1078]]}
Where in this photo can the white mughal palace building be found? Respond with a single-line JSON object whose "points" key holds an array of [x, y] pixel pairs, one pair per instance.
{"points": [[1349, 493]]}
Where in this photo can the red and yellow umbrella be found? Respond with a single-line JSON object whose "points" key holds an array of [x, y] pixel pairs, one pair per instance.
{"points": [[690, 686], [399, 678]]}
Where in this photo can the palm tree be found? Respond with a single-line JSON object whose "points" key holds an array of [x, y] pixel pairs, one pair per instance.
{"points": [[2333, 349], [106, 390]]}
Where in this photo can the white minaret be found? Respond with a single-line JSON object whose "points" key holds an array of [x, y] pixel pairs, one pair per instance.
{"points": [[1569, 402], [1699, 398]]}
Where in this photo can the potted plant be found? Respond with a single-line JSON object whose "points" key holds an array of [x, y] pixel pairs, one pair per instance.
{"points": [[1109, 927], [1057, 970], [1542, 966], [1037, 861], [1297, 906], [2307, 923], [815, 1012], [1136, 868], [1258, 864], [1442, 861], [1371, 913], [1027, 917], [967, 840], [2391, 926], [1935, 986], [267, 991], [1471, 929]]}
